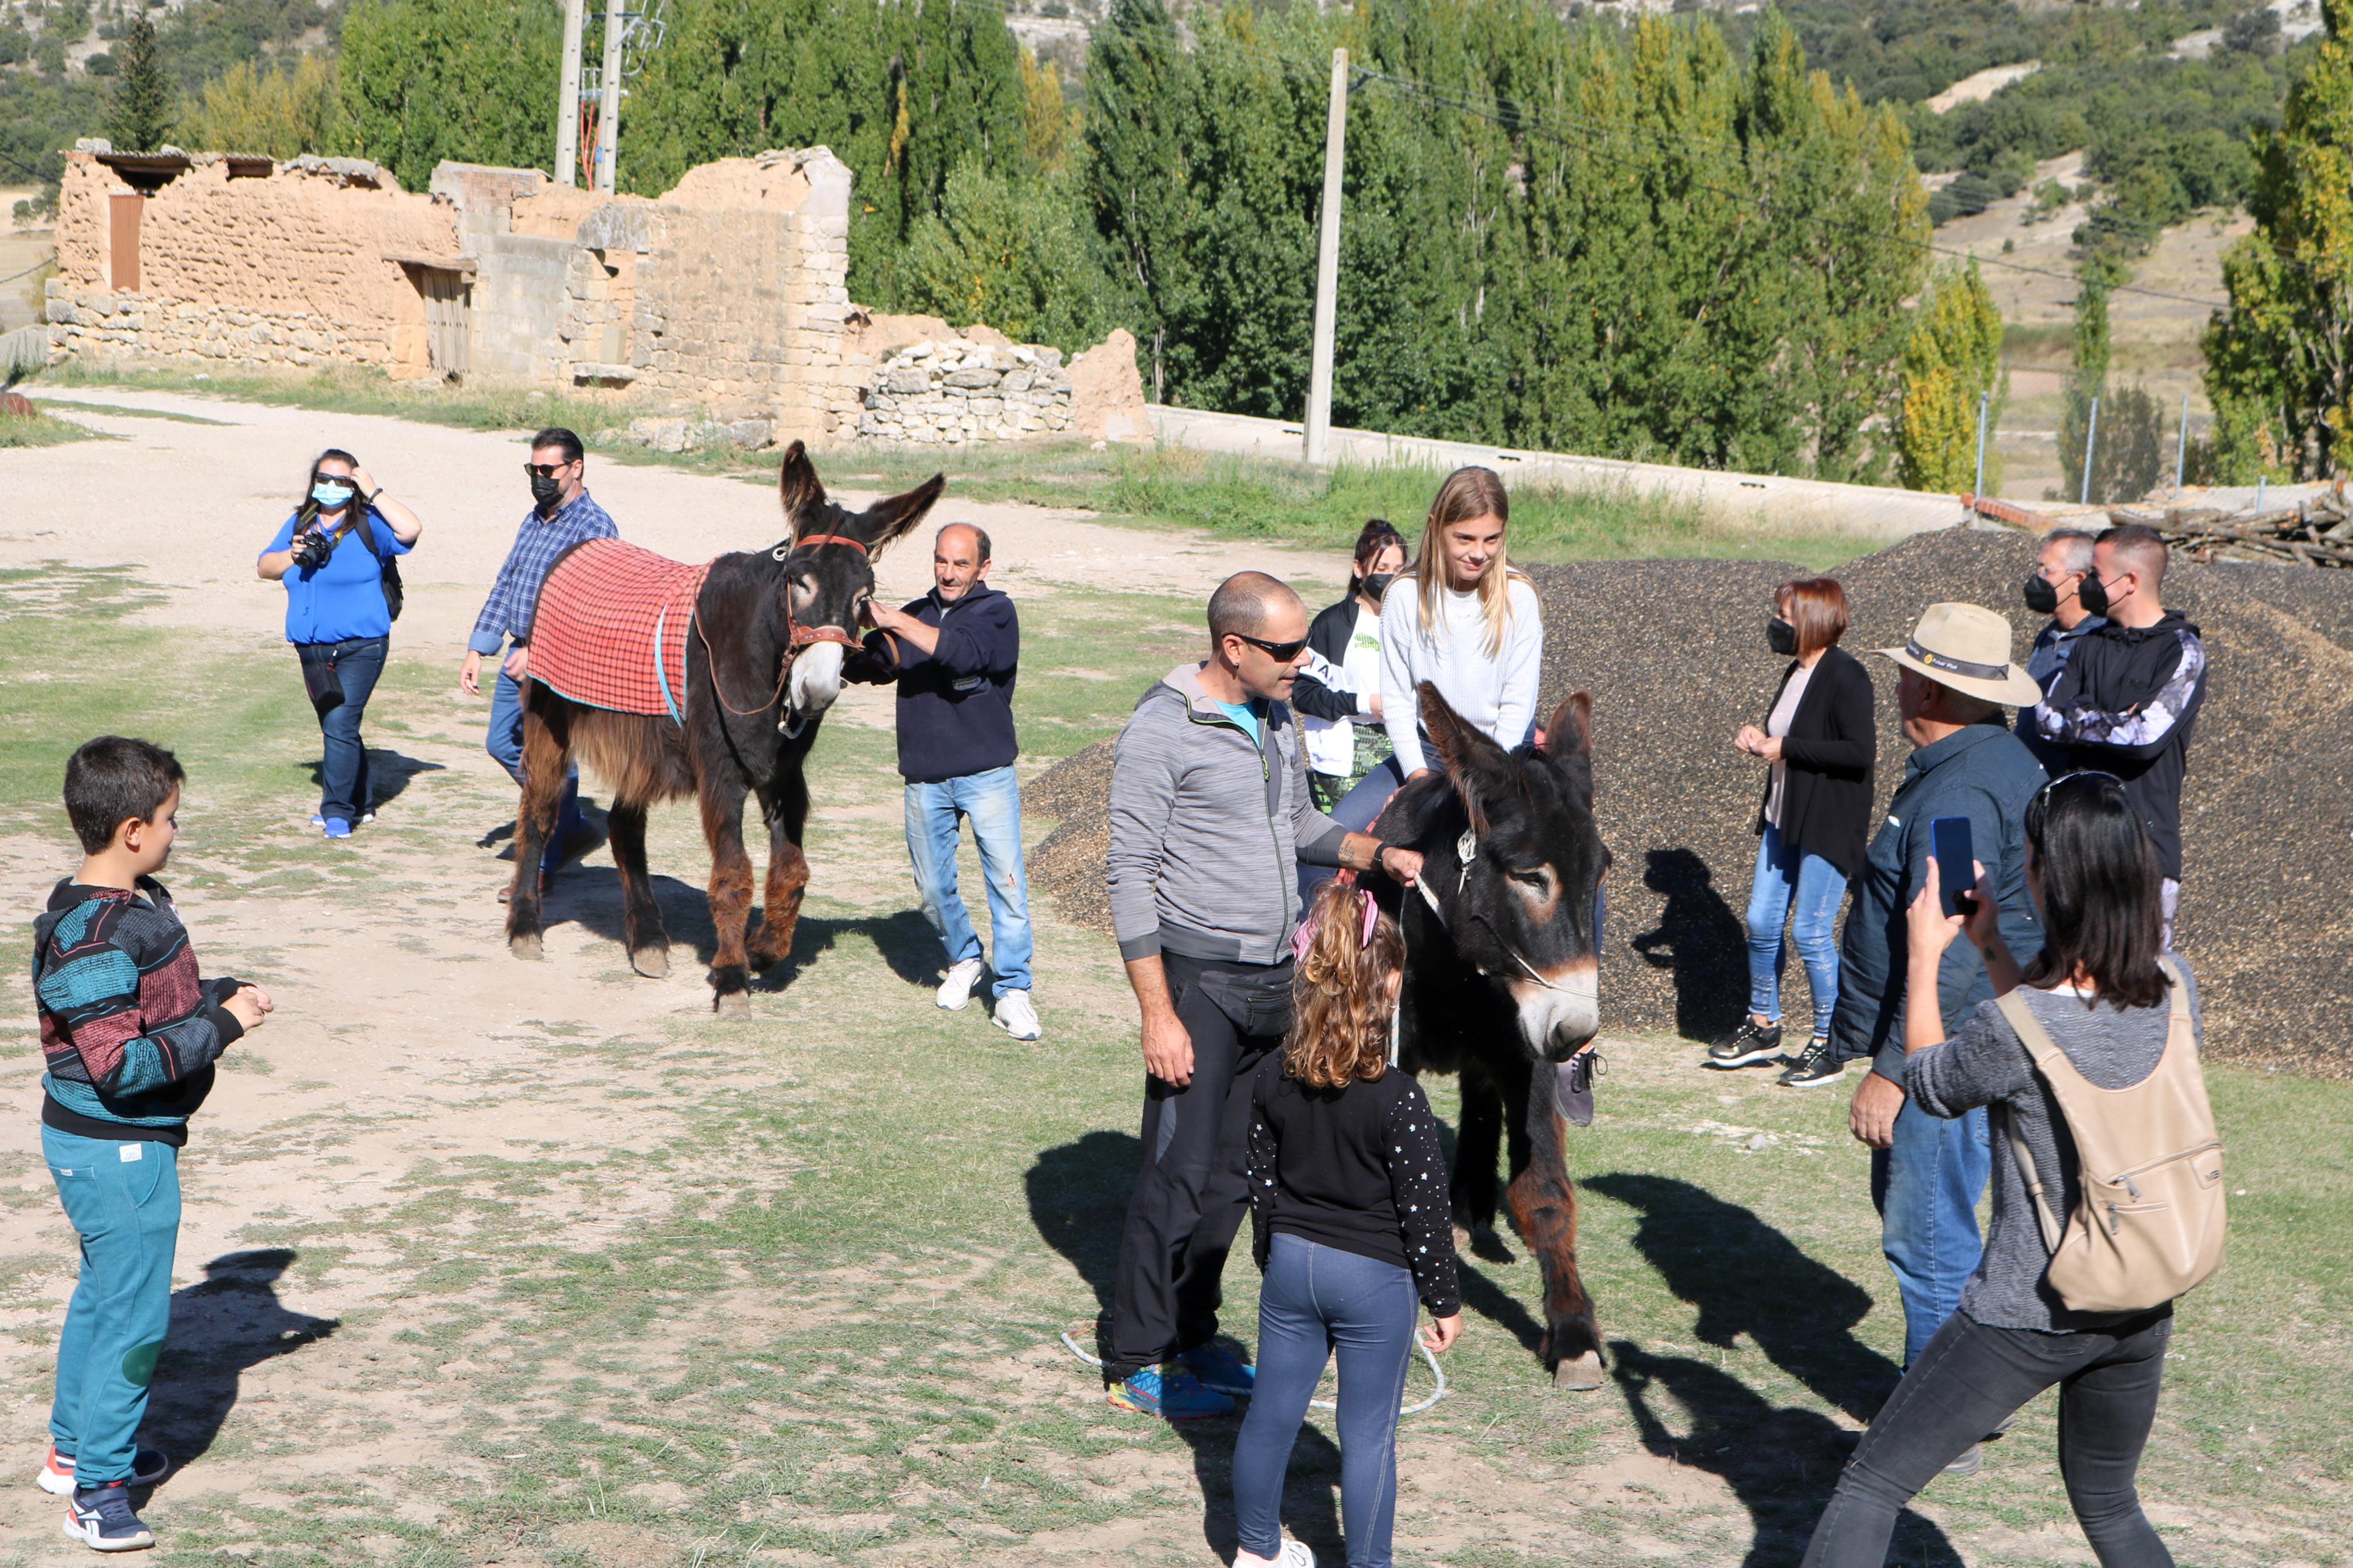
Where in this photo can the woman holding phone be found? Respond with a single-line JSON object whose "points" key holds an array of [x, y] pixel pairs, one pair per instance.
{"points": [[335, 554]]}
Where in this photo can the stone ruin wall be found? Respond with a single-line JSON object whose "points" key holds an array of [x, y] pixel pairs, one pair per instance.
{"points": [[286, 269]]}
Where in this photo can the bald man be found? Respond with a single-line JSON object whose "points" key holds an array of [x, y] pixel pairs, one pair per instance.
{"points": [[954, 653], [2127, 701], [1209, 817]]}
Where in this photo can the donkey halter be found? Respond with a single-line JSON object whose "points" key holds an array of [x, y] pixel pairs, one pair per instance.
{"points": [[1466, 849], [798, 637]]}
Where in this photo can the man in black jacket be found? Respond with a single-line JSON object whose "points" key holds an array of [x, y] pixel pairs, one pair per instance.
{"points": [[2127, 701], [953, 654]]}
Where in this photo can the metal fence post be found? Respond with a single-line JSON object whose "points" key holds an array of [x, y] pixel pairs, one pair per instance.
{"points": [[2091, 436], [1984, 405]]}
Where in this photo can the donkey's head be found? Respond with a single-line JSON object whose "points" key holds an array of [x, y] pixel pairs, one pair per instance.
{"points": [[828, 574], [1525, 868]]}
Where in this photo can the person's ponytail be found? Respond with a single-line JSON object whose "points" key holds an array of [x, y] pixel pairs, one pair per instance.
{"points": [[1346, 950]]}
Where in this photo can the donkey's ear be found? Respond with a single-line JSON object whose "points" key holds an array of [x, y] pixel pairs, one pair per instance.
{"points": [[797, 486], [1477, 767], [1570, 733], [888, 518]]}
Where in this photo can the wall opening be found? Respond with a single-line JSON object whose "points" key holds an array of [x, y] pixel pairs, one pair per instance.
{"points": [[620, 304], [122, 210], [449, 296]]}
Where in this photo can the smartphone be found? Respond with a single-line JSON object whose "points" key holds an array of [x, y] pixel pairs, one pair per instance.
{"points": [[1957, 872]]}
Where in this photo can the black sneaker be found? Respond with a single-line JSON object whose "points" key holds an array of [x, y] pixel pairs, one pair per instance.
{"points": [[1817, 1066], [100, 1519], [1752, 1042]]}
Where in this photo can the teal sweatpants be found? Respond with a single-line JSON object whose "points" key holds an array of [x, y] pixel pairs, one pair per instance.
{"points": [[124, 1201]]}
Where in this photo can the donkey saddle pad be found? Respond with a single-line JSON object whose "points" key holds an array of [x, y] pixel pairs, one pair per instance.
{"points": [[612, 626]]}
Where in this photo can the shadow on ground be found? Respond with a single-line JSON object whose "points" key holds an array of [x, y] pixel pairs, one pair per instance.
{"points": [[590, 896], [1700, 939], [388, 775], [230, 1322], [1078, 1200]]}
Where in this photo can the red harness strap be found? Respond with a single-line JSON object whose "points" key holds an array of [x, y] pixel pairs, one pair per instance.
{"points": [[798, 637]]}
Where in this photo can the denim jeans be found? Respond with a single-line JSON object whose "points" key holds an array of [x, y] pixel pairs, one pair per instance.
{"points": [[991, 802], [343, 768], [1966, 1381], [504, 742], [1315, 1301], [124, 1201], [1787, 875], [1927, 1189]]}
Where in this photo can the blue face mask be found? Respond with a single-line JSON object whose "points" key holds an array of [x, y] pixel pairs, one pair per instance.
{"points": [[331, 492]]}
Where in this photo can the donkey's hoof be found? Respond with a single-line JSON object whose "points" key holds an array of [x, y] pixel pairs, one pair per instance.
{"points": [[526, 945], [653, 963], [1579, 1374], [731, 1004]]}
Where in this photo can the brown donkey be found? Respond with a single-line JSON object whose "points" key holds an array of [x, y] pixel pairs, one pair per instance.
{"points": [[735, 716]]}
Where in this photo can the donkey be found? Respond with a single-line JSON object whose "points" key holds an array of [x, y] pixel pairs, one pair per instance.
{"points": [[1500, 985], [763, 662]]}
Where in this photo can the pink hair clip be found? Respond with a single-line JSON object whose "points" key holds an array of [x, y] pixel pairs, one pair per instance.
{"points": [[1304, 936]]}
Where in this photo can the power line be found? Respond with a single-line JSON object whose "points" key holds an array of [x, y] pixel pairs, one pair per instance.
{"points": [[29, 271]]}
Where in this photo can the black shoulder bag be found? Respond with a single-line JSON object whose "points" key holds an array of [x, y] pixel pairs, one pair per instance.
{"points": [[387, 566]]}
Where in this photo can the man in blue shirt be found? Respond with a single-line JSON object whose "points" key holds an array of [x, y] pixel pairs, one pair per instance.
{"points": [[561, 515], [954, 653]]}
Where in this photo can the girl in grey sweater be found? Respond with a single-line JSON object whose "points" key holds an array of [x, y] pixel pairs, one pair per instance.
{"points": [[2098, 989]]}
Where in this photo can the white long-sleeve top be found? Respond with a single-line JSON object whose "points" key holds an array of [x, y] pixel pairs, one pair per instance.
{"points": [[1496, 694]]}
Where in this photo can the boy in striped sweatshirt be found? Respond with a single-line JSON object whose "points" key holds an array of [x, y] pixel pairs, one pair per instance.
{"points": [[128, 1036]]}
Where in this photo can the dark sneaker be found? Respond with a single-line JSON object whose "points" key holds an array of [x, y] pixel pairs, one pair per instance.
{"points": [[1971, 1461], [1572, 1086], [1170, 1393], [1817, 1065], [100, 1519], [1220, 1369], [1752, 1042]]}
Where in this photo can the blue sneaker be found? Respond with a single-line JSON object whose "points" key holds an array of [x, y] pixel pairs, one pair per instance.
{"points": [[318, 820], [100, 1519], [336, 828], [1169, 1392], [1220, 1368]]}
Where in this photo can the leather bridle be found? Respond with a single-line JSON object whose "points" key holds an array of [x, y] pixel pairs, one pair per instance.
{"points": [[798, 637]]}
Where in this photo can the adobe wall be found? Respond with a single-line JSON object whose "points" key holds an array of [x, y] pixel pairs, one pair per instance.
{"points": [[287, 268]]}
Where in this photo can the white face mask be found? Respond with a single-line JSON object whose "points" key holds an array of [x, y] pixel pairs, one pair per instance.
{"points": [[331, 492]]}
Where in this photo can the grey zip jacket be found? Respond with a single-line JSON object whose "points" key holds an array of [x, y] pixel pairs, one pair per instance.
{"points": [[1207, 827]]}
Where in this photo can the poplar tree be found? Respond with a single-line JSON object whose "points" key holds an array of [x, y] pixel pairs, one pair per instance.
{"points": [[1951, 358], [140, 115], [2087, 377]]}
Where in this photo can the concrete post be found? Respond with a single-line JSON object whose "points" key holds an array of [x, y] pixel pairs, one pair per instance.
{"points": [[1327, 265], [2181, 447], [608, 113], [1984, 408], [568, 99], [2091, 437]]}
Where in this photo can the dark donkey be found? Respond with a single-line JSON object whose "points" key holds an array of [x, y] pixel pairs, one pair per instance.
{"points": [[771, 629], [1500, 979]]}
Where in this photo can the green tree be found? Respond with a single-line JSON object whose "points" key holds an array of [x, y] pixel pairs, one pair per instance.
{"points": [[2280, 362], [281, 112], [422, 80], [140, 115], [1007, 252], [1951, 359], [2087, 377]]}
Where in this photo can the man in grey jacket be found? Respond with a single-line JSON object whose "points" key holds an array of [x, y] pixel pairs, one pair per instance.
{"points": [[1209, 819]]}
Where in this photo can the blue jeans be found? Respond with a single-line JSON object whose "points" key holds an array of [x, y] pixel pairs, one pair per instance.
{"points": [[1927, 1189], [1786, 874], [123, 1200], [344, 769], [1313, 1301], [991, 802], [504, 742]]}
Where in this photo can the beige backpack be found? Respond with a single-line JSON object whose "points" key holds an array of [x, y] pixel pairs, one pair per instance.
{"points": [[2151, 1223]]}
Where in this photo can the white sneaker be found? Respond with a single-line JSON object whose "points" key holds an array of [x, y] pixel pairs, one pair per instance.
{"points": [[1015, 1016], [1294, 1555], [956, 989]]}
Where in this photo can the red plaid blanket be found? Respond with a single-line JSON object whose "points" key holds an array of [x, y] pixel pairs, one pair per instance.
{"points": [[611, 627]]}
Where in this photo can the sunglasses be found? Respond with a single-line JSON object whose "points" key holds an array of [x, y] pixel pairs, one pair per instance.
{"points": [[546, 470], [2037, 807], [1280, 652]]}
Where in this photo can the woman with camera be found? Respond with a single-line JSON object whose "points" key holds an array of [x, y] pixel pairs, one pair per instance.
{"points": [[336, 555]]}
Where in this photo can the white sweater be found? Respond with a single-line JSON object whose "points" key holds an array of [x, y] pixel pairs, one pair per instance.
{"points": [[1496, 695]]}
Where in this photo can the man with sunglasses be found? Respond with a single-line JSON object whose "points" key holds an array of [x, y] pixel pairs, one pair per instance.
{"points": [[1209, 819], [561, 515]]}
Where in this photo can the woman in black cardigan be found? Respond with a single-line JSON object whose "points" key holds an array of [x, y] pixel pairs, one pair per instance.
{"points": [[1820, 744]]}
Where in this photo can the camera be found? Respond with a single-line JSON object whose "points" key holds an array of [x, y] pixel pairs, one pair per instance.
{"points": [[312, 550]]}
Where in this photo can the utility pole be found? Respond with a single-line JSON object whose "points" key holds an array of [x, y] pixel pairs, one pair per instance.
{"points": [[1327, 267], [567, 101], [2181, 448], [2091, 434], [1985, 407], [608, 113]]}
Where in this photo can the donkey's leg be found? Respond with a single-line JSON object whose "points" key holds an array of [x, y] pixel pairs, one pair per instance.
{"points": [[546, 758], [642, 921], [1478, 1140], [1544, 1208], [786, 805], [730, 889]]}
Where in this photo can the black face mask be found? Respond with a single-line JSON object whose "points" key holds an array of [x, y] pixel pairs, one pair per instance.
{"points": [[1377, 585], [1781, 637], [546, 490], [2041, 596], [2093, 595]]}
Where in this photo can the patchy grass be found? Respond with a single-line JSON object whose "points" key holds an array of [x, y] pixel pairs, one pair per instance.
{"points": [[44, 429], [120, 411]]}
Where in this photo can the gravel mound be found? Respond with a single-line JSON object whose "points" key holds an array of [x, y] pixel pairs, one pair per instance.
{"points": [[1674, 654]]}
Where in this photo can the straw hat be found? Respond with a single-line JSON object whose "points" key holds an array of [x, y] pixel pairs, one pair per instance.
{"points": [[1967, 647]]}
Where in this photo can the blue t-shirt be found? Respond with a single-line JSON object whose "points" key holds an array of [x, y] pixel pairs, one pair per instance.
{"points": [[344, 598], [1247, 715]]}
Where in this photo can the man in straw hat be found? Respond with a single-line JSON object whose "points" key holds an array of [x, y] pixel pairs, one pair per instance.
{"points": [[1927, 1172]]}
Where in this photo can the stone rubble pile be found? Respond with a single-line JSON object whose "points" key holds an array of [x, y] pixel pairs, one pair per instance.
{"points": [[680, 434], [957, 392]]}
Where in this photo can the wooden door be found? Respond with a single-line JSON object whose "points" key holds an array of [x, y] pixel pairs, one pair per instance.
{"points": [[449, 300], [122, 210]]}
